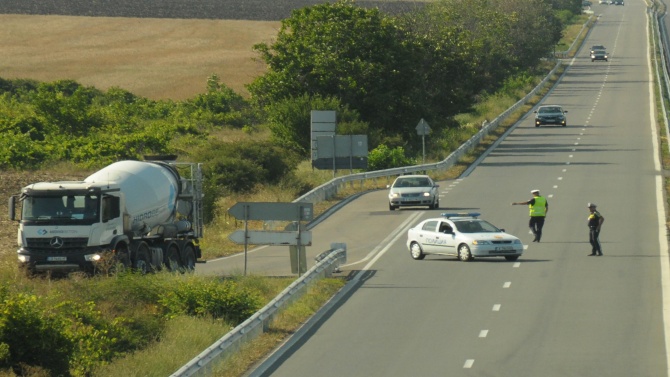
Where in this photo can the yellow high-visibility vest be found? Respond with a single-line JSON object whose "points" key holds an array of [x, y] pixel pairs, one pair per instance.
{"points": [[539, 208]]}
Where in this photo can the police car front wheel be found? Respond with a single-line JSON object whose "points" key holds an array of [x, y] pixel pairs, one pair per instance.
{"points": [[464, 253]]}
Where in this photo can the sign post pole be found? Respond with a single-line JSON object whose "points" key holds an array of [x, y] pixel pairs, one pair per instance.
{"points": [[423, 129], [246, 238]]}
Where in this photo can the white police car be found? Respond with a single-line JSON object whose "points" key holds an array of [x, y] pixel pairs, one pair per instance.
{"points": [[463, 235]]}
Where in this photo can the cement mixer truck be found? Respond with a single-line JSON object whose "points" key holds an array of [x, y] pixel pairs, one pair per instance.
{"points": [[146, 215]]}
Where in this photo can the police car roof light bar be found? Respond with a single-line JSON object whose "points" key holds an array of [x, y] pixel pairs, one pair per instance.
{"points": [[461, 214]]}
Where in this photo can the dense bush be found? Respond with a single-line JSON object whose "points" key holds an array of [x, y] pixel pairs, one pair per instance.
{"points": [[221, 300], [384, 157], [24, 317], [241, 166], [65, 121], [73, 336], [68, 338], [220, 106]]}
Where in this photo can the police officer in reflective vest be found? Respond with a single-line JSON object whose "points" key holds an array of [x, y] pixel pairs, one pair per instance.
{"points": [[595, 222], [539, 206]]}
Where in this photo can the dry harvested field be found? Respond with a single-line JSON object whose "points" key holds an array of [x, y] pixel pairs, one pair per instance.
{"points": [[154, 58], [161, 49]]}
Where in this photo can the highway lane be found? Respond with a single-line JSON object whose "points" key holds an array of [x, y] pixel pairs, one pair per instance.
{"points": [[556, 311]]}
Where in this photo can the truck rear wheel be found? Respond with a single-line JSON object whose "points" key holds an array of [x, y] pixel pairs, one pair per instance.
{"points": [[172, 258], [189, 258]]}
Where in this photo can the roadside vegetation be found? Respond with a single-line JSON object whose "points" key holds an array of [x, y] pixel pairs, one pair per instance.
{"points": [[662, 106], [453, 63]]}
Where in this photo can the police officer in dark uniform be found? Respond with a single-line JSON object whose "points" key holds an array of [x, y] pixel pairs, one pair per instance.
{"points": [[595, 223], [538, 206]]}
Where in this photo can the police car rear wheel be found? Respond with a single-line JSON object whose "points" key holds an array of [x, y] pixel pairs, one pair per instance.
{"points": [[416, 252], [464, 253]]}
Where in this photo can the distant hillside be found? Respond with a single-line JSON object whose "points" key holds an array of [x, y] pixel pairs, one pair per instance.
{"points": [[256, 10]]}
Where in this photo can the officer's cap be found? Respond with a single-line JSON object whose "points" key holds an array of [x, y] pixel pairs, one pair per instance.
{"points": [[592, 205], [534, 191]]}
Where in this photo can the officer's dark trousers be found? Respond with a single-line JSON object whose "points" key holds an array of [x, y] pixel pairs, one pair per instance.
{"points": [[536, 223], [594, 233]]}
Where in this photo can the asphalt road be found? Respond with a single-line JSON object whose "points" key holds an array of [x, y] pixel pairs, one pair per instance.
{"points": [[554, 312]]}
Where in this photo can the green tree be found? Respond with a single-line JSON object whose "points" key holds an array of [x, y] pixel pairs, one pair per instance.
{"points": [[339, 50], [289, 120], [220, 105]]}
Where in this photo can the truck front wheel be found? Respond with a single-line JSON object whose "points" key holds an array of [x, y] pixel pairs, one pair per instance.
{"points": [[121, 257], [142, 262]]}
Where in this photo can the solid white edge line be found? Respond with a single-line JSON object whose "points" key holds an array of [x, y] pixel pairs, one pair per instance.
{"points": [[660, 210], [399, 231]]}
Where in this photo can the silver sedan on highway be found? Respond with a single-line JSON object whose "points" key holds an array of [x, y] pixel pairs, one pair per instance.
{"points": [[412, 191]]}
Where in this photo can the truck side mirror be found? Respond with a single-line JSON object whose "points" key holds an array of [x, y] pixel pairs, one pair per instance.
{"points": [[12, 207]]}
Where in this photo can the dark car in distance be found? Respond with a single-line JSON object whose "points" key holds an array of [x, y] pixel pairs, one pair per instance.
{"points": [[599, 55], [550, 114]]}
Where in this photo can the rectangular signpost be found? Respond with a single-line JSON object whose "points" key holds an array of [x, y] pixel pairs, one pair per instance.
{"points": [[266, 211], [263, 237]]}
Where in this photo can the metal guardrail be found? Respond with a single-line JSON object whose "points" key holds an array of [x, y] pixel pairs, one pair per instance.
{"points": [[203, 364]]}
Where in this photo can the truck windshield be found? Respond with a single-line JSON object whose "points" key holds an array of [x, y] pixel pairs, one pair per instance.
{"points": [[67, 207]]}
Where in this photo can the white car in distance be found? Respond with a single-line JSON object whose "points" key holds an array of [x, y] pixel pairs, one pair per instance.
{"points": [[413, 191]]}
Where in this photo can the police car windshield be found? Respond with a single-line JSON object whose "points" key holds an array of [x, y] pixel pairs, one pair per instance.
{"points": [[475, 226]]}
